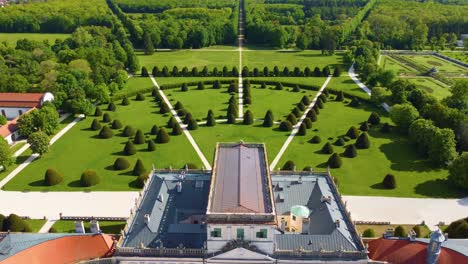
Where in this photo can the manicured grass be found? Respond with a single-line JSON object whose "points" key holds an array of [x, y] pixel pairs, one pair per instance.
{"points": [[345, 84], [461, 55], [135, 84], [17, 146], [362, 175], [431, 86], [388, 63], [190, 58], [442, 66], [291, 59], [107, 227], [11, 38], [379, 230], [181, 80], [35, 224], [317, 81], [207, 137], [82, 149]]}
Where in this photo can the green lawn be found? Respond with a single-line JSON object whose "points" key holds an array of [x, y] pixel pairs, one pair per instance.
{"points": [[180, 80], [431, 86], [362, 175], [81, 149], [461, 55], [442, 65], [291, 59], [11, 38], [388, 63], [35, 224], [380, 229], [107, 227], [318, 81], [136, 84], [207, 137], [347, 85]]}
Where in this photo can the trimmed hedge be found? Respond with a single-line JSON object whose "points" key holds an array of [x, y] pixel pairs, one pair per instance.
{"points": [[368, 233], [125, 101], [14, 223], [285, 126], [106, 118], [140, 97], [302, 130], [363, 141], [89, 178], [106, 132], [98, 112], [350, 151], [289, 166], [128, 131], [335, 161], [248, 118], [140, 181], [95, 125], [389, 181], [139, 168], [116, 124], [121, 164], [327, 148], [129, 149], [162, 136], [151, 145], [315, 140], [154, 130], [52, 177]]}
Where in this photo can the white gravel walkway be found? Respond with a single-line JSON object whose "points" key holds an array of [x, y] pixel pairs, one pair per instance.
{"points": [[48, 224]]}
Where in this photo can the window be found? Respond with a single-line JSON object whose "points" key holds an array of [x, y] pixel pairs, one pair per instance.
{"points": [[294, 218], [3, 113], [240, 233], [216, 232], [20, 112], [262, 233]]}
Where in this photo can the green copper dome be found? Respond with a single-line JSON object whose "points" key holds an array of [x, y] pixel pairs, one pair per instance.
{"points": [[300, 210]]}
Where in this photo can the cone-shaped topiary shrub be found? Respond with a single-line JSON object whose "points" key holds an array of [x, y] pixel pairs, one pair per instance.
{"points": [[129, 149], [308, 122], [192, 124], [385, 128], [301, 106], [111, 107], [121, 164], [232, 109], [292, 119], [232, 88], [231, 119], [305, 100], [233, 100], [216, 84], [334, 161], [128, 131], [339, 96], [296, 112], [178, 106], [327, 148], [312, 115], [326, 93], [340, 142], [139, 168], [89, 178], [163, 109], [279, 86], [187, 118], [319, 103], [389, 181], [105, 132], [315, 140], [354, 102], [200, 86], [374, 118], [316, 109], [248, 118], [14, 223], [139, 137], [125, 101], [154, 92], [95, 125], [106, 118], [52, 177], [285, 126], [248, 100], [176, 130], [289, 166], [140, 97], [116, 124], [140, 181], [350, 151], [364, 126], [400, 231], [181, 112], [323, 97], [171, 122], [352, 132], [98, 112], [154, 130], [210, 120], [368, 233], [151, 145], [363, 141], [302, 130], [184, 87], [296, 89], [162, 136], [268, 120]]}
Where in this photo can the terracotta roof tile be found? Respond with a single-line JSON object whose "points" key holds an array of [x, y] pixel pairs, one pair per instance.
{"points": [[20, 99], [11, 126]]}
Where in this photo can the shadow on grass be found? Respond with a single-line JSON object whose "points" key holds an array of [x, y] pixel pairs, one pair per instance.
{"points": [[75, 184], [127, 173], [38, 183], [134, 184], [439, 188], [322, 165], [404, 158], [109, 168], [378, 186]]}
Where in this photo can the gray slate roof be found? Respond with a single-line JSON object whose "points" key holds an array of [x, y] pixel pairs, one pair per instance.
{"points": [[458, 245]]}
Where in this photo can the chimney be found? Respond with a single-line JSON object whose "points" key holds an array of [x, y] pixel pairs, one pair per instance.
{"points": [[179, 187], [147, 219], [337, 223], [283, 224], [305, 225]]}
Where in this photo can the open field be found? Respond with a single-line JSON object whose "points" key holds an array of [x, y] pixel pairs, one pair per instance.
{"points": [[387, 63], [35, 224], [362, 175], [317, 81], [135, 84], [442, 66], [458, 55], [82, 149], [431, 86], [107, 227], [347, 85], [11, 38], [291, 59]]}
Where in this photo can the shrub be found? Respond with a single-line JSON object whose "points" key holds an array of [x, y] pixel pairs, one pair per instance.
{"points": [[354, 102], [317, 72], [52, 177], [176, 129], [14, 223], [128, 131], [140, 181], [2, 221], [363, 141], [181, 112], [248, 100], [312, 115], [201, 86], [296, 89], [139, 137], [327, 148], [53, 230], [364, 126], [154, 92], [263, 85], [216, 84], [285, 126], [302, 130], [129, 149], [248, 118], [334, 161], [116, 124], [319, 103], [210, 120], [292, 119], [125, 101], [178, 106], [170, 123], [139, 168], [315, 140], [385, 128], [105, 132], [233, 100], [187, 118], [279, 86], [340, 142], [192, 124], [389, 181], [163, 108], [308, 122], [111, 107], [296, 112], [184, 87], [231, 119], [417, 230], [140, 97], [307, 168], [98, 112], [162, 136], [337, 71], [326, 71], [121, 163], [305, 100], [374, 118], [323, 97], [95, 125], [89, 178], [350, 151], [289, 166], [368, 233], [106, 118], [400, 231], [339, 96], [144, 72], [232, 88], [458, 229], [352, 132], [154, 130], [326, 93], [151, 145]]}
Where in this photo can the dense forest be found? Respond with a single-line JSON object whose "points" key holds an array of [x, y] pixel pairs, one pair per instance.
{"points": [[54, 16], [159, 6]]}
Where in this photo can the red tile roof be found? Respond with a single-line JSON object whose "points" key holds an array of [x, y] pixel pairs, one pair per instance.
{"points": [[21, 99], [11, 126], [68, 249], [399, 251]]}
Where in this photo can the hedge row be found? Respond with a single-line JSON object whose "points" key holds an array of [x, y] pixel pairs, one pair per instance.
{"points": [[178, 85]]}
